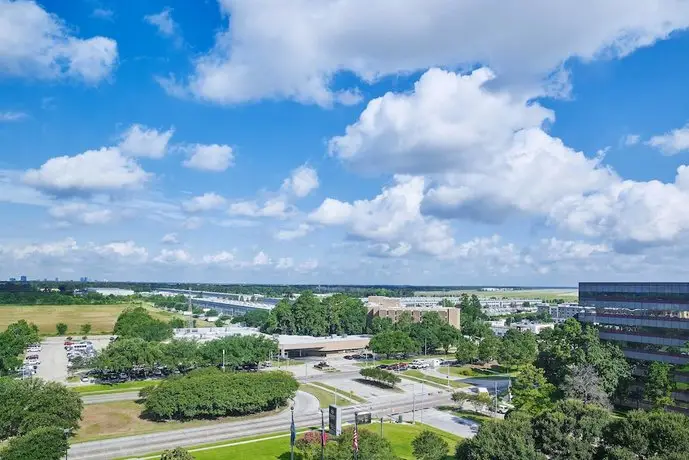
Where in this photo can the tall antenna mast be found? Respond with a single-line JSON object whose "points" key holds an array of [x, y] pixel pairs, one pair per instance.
{"points": [[191, 315]]}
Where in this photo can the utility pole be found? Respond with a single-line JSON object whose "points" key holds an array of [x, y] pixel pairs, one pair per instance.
{"points": [[423, 398], [495, 382], [190, 309], [413, 404], [223, 360]]}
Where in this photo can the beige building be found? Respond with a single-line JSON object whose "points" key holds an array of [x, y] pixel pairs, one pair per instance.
{"points": [[386, 307]]}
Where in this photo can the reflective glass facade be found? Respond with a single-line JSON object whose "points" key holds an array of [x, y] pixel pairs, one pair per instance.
{"points": [[648, 320]]}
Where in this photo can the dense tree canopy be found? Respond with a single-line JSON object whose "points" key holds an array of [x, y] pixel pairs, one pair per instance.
{"points": [[380, 375], [33, 403], [138, 323], [532, 393], [45, 443], [391, 342], [570, 344], [648, 435], [518, 348], [309, 315], [467, 350], [371, 446], [239, 350], [659, 385], [429, 446], [473, 320], [489, 348], [213, 393], [511, 439], [13, 342], [252, 318]]}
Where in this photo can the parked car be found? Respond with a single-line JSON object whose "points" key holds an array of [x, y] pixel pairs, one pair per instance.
{"points": [[383, 366], [348, 357], [322, 365], [85, 379]]}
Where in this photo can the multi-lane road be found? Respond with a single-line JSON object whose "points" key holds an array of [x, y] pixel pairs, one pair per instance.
{"points": [[307, 414]]}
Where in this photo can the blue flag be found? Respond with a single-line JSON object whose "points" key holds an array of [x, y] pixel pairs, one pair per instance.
{"points": [[293, 432]]}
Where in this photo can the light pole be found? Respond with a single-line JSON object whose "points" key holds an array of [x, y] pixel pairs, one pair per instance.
{"points": [[381, 427], [67, 432], [223, 360], [413, 404]]}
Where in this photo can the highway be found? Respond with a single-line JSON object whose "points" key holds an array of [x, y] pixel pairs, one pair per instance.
{"points": [[306, 415]]}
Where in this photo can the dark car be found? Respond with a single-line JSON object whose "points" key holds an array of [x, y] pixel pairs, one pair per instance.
{"points": [[348, 357], [383, 366]]}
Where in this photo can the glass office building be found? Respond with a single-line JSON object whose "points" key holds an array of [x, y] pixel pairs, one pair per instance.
{"points": [[650, 321]]}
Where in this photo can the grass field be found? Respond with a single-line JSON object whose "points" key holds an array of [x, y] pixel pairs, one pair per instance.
{"points": [[467, 414], [276, 446], [123, 418], [325, 398], [348, 394], [101, 317], [114, 388], [437, 380], [468, 371]]}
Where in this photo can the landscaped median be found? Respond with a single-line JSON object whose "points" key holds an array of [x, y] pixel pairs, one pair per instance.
{"points": [[276, 446], [432, 380], [114, 388]]}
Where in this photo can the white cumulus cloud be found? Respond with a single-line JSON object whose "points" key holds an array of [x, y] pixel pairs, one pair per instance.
{"points": [[301, 182], [205, 202], [37, 44], [213, 157], [274, 49], [140, 141], [673, 142]]}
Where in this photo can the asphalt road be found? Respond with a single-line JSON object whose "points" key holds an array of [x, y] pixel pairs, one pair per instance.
{"points": [[110, 397], [306, 415]]}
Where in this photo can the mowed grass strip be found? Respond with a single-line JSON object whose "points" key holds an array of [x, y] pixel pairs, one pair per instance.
{"points": [[114, 388], [347, 394], [123, 418], [276, 446], [325, 398], [437, 380]]}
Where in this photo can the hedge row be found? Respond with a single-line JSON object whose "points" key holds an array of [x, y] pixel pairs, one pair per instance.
{"points": [[380, 375], [212, 393]]}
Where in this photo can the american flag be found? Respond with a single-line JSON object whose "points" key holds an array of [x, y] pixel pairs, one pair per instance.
{"points": [[355, 439]]}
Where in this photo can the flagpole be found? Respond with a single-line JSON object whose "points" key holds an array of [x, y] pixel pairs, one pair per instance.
{"points": [[356, 437], [322, 436], [293, 435]]}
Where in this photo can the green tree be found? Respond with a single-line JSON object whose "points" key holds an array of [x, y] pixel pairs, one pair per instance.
{"points": [[61, 328], [571, 430], [177, 453], [659, 385], [404, 322], [13, 342], [282, 318], [466, 350], [518, 348], [85, 328], [447, 336], [345, 314], [379, 324], [239, 350], [34, 403], [532, 393], [429, 446], [371, 447], [447, 303], [380, 375], [570, 344], [205, 393], [646, 435], [252, 318], [138, 323], [511, 439], [489, 348], [177, 323], [391, 342], [45, 443], [180, 354], [124, 354]]}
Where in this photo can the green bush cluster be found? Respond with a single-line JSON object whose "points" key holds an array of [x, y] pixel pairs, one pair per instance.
{"points": [[211, 393], [380, 375], [137, 322]]}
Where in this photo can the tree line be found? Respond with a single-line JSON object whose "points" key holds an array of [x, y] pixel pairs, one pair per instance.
{"points": [[405, 336], [13, 342], [124, 355], [212, 393], [36, 418], [563, 401]]}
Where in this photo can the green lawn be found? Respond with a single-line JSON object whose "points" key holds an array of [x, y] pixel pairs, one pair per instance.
{"points": [[325, 398], [349, 394], [276, 446], [467, 414], [437, 380], [114, 388], [681, 386]]}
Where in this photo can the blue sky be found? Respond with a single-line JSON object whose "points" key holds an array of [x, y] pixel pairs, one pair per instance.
{"points": [[441, 142]]}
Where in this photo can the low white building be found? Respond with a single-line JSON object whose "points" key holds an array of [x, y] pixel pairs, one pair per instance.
{"points": [[562, 312], [504, 307], [500, 327]]}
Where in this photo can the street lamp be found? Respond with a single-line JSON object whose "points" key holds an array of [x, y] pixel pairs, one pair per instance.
{"points": [[67, 432]]}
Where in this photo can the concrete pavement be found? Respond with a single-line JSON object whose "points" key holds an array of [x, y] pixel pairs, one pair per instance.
{"points": [[110, 397]]}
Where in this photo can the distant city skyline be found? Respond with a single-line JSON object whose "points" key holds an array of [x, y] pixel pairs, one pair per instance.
{"points": [[181, 141]]}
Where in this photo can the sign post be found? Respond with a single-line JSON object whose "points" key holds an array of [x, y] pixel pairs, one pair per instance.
{"points": [[335, 420]]}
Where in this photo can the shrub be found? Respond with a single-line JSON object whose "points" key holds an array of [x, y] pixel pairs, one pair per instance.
{"points": [[212, 393]]}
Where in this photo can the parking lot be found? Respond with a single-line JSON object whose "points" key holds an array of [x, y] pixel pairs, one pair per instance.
{"points": [[53, 357]]}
